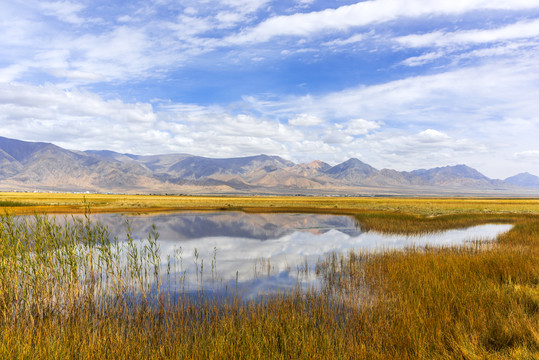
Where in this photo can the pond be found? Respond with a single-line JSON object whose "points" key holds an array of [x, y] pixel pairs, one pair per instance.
{"points": [[252, 254]]}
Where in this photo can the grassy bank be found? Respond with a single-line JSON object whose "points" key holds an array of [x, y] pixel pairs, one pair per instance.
{"points": [[67, 291]]}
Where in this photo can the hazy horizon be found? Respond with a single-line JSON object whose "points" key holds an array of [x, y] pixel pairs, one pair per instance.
{"points": [[397, 84]]}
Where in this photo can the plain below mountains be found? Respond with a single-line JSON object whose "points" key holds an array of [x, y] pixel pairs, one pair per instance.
{"points": [[35, 166]]}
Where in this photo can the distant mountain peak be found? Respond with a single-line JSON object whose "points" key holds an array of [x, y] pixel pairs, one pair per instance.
{"points": [[523, 175], [454, 175], [524, 179], [354, 161], [318, 164], [353, 170], [23, 150]]}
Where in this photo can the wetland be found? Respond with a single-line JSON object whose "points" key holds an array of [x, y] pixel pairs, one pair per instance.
{"points": [[265, 253], [348, 278]]}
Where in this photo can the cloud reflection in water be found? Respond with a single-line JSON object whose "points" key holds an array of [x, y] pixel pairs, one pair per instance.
{"points": [[262, 252]]}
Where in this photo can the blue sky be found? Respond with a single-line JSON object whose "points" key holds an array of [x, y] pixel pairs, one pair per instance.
{"points": [[398, 84]]}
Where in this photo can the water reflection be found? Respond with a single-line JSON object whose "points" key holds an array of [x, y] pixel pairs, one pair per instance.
{"points": [[260, 253], [192, 226]]}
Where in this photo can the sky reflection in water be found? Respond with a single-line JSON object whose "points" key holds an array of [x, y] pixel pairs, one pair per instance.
{"points": [[261, 253]]}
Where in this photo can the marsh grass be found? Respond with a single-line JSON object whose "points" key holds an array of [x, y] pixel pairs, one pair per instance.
{"points": [[69, 291], [412, 224], [74, 203], [11, 203]]}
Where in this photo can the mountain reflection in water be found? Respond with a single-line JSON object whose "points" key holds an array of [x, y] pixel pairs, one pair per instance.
{"points": [[192, 226], [260, 253]]}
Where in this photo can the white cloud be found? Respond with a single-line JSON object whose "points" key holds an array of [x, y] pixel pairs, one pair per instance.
{"points": [[304, 2], [83, 120], [11, 72], [228, 18], [344, 134], [123, 53], [530, 155], [350, 40], [428, 148], [77, 118], [455, 55], [432, 136], [496, 90], [186, 26], [306, 120], [423, 59], [190, 10], [364, 13], [66, 11], [125, 19], [426, 142], [360, 126], [507, 49], [245, 6], [335, 135], [519, 30], [130, 46], [469, 115]]}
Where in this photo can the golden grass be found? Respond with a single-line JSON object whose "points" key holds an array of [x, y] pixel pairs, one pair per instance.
{"points": [[479, 301], [70, 203]]}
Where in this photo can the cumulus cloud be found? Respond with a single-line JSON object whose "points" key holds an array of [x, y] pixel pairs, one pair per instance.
{"points": [[360, 126], [305, 120], [345, 133], [336, 136], [82, 120], [426, 142], [77, 118], [432, 136], [428, 148]]}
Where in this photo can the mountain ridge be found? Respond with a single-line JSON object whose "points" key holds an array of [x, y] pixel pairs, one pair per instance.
{"points": [[524, 179], [47, 167]]}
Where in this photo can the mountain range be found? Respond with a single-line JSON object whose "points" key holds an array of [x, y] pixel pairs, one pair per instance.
{"points": [[37, 166]]}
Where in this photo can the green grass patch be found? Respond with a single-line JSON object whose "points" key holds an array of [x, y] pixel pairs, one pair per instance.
{"points": [[9, 203]]}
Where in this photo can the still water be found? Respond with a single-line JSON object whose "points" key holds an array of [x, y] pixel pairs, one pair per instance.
{"points": [[261, 253]]}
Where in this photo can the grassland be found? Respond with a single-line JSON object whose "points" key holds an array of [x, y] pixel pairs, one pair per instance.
{"points": [[29, 203], [68, 292]]}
